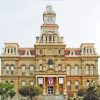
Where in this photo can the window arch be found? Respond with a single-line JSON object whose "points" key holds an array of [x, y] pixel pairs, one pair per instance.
{"points": [[50, 63]]}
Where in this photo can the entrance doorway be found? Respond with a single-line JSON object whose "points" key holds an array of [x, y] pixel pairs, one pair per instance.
{"points": [[50, 90]]}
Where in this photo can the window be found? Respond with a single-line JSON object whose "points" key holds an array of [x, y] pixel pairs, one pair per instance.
{"points": [[12, 69], [23, 70], [49, 38], [53, 38], [11, 50], [80, 71], [76, 70], [69, 85], [46, 38], [76, 84], [68, 70], [59, 67], [31, 83], [59, 51], [72, 71], [40, 67], [91, 70], [40, 51], [8, 50], [23, 83], [7, 70], [71, 53], [87, 70], [31, 70], [50, 63]]}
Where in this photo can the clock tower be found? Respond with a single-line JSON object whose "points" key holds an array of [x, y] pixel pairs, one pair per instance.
{"points": [[49, 15], [49, 28]]}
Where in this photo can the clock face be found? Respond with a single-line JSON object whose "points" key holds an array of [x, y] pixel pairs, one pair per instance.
{"points": [[49, 19]]}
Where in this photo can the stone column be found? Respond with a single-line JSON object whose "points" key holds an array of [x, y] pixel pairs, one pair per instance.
{"points": [[96, 70], [36, 81], [44, 87], [57, 90], [64, 86]]}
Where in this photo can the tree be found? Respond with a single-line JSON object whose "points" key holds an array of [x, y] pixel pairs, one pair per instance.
{"points": [[91, 94], [6, 90], [30, 91], [81, 92]]}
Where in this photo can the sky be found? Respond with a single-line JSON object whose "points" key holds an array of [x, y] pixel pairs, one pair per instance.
{"points": [[79, 21]]}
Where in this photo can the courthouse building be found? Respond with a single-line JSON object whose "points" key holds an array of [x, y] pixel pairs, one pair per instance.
{"points": [[50, 63]]}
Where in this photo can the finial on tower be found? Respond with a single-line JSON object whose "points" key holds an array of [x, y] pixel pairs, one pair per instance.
{"points": [[49, 10]]}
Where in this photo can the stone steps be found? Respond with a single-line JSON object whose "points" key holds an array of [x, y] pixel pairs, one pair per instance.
{"points": [[61, 97]]}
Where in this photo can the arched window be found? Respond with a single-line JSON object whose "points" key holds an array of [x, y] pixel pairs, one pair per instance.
{"points": [[59, 67], [76, 70], [87, 70], [31, 69], [68, 70], [50, 63], [40, 67], [12, 69], [23, 69], [7, 70]]}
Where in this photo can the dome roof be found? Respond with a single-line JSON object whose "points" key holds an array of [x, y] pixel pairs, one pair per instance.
{"points": [[49, 10]]}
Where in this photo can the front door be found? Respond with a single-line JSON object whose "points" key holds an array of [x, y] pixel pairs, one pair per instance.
{"points": [[50, 90]]}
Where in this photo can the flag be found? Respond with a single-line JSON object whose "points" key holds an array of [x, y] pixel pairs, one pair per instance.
{"points": [[50, 80]]}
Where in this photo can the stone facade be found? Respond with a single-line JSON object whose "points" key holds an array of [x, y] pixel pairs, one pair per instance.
{"points": [[50, 64]]}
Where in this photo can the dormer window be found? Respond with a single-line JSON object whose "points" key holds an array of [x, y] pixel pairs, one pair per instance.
{"points": [[27, 52]]}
